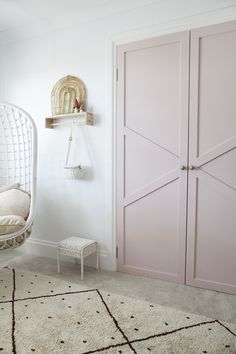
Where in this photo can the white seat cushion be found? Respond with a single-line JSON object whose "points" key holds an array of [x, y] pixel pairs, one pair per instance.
{"points": [[10, 186], [14, 202], [10, 224], [75, 243]]}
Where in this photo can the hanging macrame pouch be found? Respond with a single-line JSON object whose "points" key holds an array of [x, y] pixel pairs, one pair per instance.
{"points": [[73, 167]]}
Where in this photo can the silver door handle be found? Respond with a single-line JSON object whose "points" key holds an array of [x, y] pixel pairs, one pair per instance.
{"points": [[193, 167]]}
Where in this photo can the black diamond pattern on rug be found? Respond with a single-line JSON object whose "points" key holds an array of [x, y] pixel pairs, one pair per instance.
{"points": [[45, 315]]}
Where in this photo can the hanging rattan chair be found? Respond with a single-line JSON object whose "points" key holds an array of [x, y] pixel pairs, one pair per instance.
{"points": [[18, 162]]}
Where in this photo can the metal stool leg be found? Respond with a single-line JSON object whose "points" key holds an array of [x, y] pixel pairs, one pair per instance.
{"points": [[58, 263], [82, 267], [97, 266]]}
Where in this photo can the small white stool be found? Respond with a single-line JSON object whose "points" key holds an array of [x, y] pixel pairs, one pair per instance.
{"points": [[76, 247]]}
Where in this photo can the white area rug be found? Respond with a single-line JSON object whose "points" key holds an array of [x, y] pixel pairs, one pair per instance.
{"points": [[40, 314]]}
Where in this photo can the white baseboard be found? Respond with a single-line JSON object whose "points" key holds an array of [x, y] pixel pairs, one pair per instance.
{"points": [[46, 248]]}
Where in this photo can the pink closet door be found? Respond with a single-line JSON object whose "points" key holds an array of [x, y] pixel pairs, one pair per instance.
{"points": [[211, 251], [152, 139]]}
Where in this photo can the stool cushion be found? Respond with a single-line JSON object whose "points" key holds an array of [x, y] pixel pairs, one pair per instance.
{"points": [[75, 243]]}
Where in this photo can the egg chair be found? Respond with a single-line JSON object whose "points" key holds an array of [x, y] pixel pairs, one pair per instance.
{"points": [[18, 163]]}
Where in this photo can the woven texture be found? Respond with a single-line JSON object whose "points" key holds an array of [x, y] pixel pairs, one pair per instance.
{"points": [[15, 241], [47, 315], [75, 243], [18, 160], [77, 247], [16, 145]]}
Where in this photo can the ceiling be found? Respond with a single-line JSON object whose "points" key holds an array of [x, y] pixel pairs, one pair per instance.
{"points": [[16, 13]]}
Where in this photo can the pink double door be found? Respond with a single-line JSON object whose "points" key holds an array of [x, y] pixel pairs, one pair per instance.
{"points": [[176, 157]]}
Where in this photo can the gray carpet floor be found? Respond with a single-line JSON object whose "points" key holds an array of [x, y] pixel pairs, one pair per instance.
{"points": [[193, 300]]}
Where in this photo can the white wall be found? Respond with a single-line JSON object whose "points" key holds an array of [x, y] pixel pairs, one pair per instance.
{"points": [[1, 73], [31, 66]]}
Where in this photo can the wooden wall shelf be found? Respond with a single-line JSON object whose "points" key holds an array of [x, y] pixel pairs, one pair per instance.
{"points": [[82, 118]]}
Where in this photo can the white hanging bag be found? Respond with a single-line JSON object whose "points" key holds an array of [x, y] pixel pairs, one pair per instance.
{"points": [[73, 170]]}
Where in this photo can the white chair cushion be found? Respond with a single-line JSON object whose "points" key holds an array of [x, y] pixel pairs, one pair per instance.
{"points": [[10, 224], [14, 202], [10, 186]]}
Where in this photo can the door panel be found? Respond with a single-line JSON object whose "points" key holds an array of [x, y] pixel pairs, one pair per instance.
{"points": [[140, 155], [152, 138], [142, 238], [223, 168], [217, 87], [211, 260], [152, 82]]}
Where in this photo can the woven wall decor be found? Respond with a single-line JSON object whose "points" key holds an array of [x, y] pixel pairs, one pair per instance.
{"points": [[65, 93]]}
